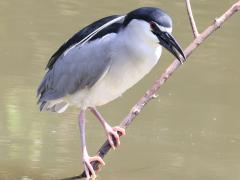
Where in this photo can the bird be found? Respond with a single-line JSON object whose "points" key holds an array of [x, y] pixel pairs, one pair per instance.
{"points": [[102, 61]]}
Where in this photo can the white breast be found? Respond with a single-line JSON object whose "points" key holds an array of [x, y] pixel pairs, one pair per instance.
{"points": [[134, 52]]}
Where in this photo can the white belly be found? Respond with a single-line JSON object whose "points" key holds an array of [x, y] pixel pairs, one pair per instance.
{"points": [[125, 71]]}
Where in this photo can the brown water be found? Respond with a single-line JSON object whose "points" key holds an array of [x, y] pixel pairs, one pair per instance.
{"points": [[190, 132]]}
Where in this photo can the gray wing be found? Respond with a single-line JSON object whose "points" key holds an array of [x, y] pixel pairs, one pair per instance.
{"points": [[72, 73], [77, 68]]}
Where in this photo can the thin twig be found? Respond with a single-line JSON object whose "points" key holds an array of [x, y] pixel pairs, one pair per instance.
{"points": [[163, 78], [191, 19]]}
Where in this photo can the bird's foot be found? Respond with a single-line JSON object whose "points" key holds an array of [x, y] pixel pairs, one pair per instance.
{"points": [[89, 171], [113, 136]]}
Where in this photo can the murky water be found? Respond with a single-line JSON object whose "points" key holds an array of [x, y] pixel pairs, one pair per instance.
{"points": [[190, 132]]}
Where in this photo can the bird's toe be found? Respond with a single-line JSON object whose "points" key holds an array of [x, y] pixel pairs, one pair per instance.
{"points": [[89, 170], [120, 129], [113, 135]]}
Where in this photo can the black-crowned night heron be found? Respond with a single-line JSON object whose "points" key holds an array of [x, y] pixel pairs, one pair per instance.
{"points": [[100, 62]]}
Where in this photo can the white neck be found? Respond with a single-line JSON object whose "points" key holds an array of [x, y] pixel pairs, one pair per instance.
{"points": [[139, 30]]}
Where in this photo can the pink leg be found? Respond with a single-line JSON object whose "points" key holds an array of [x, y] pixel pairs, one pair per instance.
{"points": [[110, 132], [86, 158]]}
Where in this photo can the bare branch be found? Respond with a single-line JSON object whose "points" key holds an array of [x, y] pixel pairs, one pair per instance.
{"points": [[191, 19], [150, 94]]}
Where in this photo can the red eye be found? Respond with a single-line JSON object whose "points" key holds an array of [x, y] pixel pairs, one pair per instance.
{"points": [[153, 25]]}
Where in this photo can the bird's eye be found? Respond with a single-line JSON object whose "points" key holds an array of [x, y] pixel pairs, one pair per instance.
{"points": [[153, 25]]}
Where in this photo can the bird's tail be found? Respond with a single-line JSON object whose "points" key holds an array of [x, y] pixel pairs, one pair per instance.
{"points": [[49, 100], [58, 107]]}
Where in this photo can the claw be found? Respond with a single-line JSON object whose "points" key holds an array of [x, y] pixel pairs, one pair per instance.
{"points": [[120, 129], [90, 172], [113, 135]]}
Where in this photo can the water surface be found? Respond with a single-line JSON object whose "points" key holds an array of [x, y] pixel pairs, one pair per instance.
{"points": [[190, 132]]}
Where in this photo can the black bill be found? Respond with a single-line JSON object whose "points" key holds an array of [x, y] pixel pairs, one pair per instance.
{"points": [[169, 42]]}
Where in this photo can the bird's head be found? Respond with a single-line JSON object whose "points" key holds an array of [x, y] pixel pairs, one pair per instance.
{"points": [[159, 26]]}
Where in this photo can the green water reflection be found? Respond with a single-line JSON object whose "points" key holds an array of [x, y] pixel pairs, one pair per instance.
{"points": [[191, 131]]}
